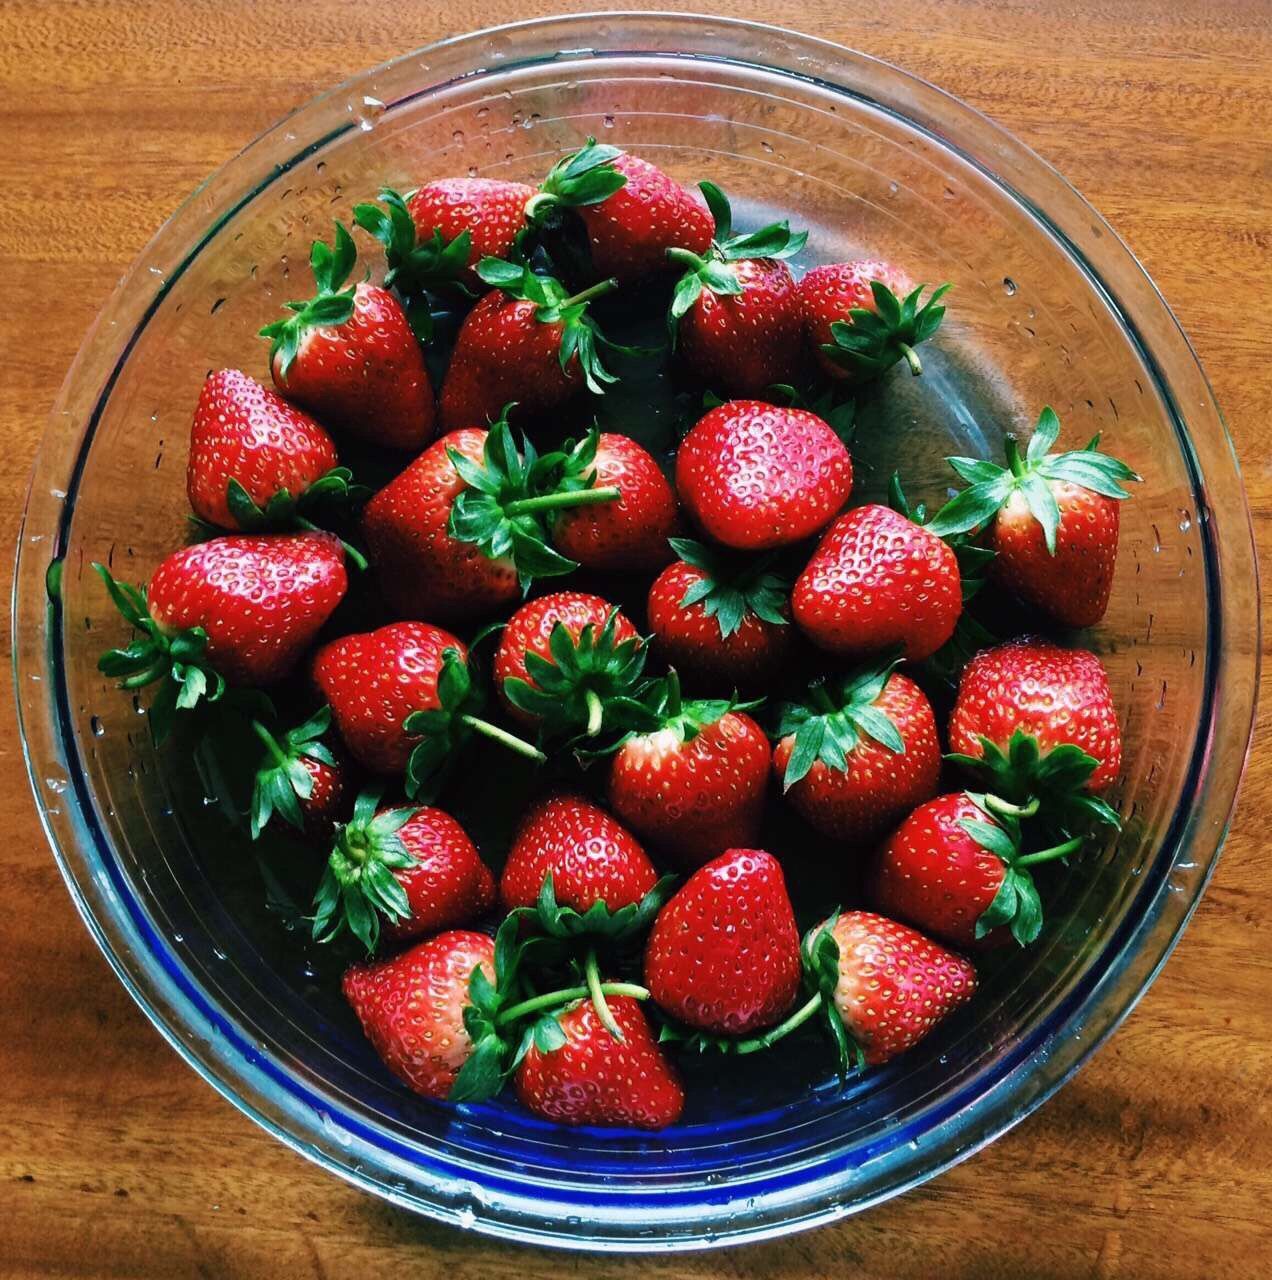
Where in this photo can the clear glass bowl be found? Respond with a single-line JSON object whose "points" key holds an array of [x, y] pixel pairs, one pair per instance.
{"points": [[1048, 307]]}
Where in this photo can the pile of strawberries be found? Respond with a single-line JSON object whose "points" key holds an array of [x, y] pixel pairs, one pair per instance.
{"points": [[782, 691]]}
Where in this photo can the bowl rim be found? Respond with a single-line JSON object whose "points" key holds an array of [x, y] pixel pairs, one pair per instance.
{"points": [[207, 1043]]}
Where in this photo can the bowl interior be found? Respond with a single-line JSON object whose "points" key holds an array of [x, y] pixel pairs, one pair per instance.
{"points": [[1028, 325]]}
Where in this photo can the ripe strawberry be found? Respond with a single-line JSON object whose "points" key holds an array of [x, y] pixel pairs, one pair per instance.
{"points": [[757, 476], [590, 857], [525, 343], [735, 312], [403, 699], [563, 657], [238, 610], [625, 536], [878, 581], [349, 355], [301, 781], [860, 754], [891, 985], [862, 317], [694, 782], [1040, 721], [1054, 521], [723, 955], [415, 868], [461, 532], [716, 620], [632, 211], [593, 1078], [412, 1007], [250, 448]]}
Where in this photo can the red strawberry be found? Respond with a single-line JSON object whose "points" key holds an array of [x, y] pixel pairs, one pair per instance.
{"points": [[628, 535], [301, 780], [590, 857], [736, 311], [349, 355], [525, 343], [877, 581], [489, 211], [894, 984], [632, 210], [403, 699], [694, 785], [593, 1078], [862, 317], [1038, 716], [1054, 521], [757, 476], [461, 531], [720, 621], [861, 754], [561, 657], [723, 955], [412, 1007], [415, 868], [246, 436]]}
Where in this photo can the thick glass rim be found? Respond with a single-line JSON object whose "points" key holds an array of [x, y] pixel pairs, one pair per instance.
{"points": [[813, 1192]]}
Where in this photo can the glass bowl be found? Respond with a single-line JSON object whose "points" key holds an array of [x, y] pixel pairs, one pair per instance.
{"points": [[1048, 307]]}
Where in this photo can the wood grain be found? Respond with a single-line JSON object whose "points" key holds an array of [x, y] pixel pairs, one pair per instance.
{"points": [[115, 1160]]}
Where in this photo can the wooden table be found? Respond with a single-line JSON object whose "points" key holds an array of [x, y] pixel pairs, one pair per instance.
{"points": [[115, 1160]]}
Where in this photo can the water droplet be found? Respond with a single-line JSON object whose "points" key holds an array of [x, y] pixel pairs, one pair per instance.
{"points": [[893, 188], [1185, 520], [607, 122], [1009, 286], [458, 137], [97, 727]]}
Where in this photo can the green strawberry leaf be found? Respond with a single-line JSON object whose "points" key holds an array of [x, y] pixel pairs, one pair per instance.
{"points": [[869, 342], [733, 587]]}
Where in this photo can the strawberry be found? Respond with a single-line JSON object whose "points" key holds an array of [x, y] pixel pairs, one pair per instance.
{"points": [[301, 780], [415, 868], [861, 753], [412, 1007], [630, 534], [632, 211], [955, 869], [1039, 720], [563, 657], [403, 700], [719, 620], [253, 457], [723, 955], [757, 476], [349, 355], [239, 610], [525, 343], [878, 581], [693, 781], [461, 532], [862, 317], [591, 1077], [589, 856], [1054, 521], [735, 312]]}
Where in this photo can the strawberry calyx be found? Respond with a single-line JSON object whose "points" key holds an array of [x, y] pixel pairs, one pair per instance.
{"points": [[509, 494], [871, 341], [599, 922], [358, 887], [580, 334], [713, 271], [331, 305], [178, 659], [587, 176], [282, 781], [836, 717], [733, 588], [590, 682], [663, 708], [991, 487], [445, 729]]}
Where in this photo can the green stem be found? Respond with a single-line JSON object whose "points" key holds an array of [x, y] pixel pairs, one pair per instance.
{"points": [[1005, 809], [504, 738], [595, 989], [271, 745], [772, 1036], [553, 998], [538, 204], [152, 673], [911, 358], [1014, 460], [593, 291], [555, 501], [1049, 855], [685, 257], [595, 712]]}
